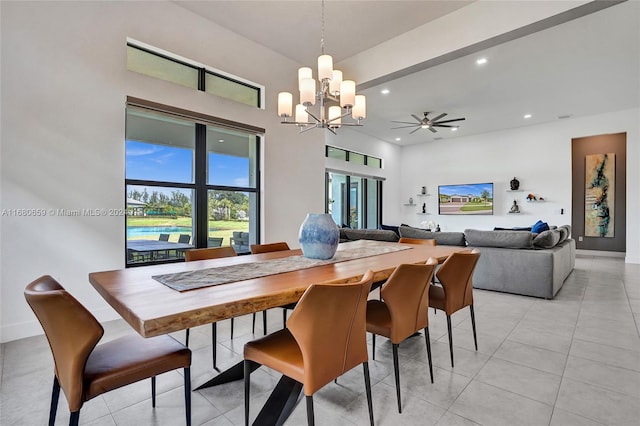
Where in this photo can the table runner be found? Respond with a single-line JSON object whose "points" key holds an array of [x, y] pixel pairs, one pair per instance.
{"points": [[190, 280]]}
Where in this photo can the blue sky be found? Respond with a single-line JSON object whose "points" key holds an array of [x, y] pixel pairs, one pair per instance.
{"points": [[468, 189], [146, 161]]}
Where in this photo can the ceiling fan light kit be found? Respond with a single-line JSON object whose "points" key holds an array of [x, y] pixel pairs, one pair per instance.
{"points": [[428, 123]]}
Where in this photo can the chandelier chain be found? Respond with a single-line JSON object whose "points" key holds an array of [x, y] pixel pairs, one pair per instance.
{"points": [[322, 31]]}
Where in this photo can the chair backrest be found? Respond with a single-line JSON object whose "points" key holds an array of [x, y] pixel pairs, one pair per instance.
{"points": [[184, 238], [455, 275], [71, 330], [427, 242], [268, 248], [215, 241], [406, 294], [209, 253], [164, 237], [329, 324]]}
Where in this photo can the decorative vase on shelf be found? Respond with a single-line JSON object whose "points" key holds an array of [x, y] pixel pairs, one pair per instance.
{"points": [[424, 190], [515, 184], [319, 236]]}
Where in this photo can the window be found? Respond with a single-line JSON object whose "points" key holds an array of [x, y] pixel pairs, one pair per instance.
{"points": [[150, 61], [352, 157], [354, 201], [190, 182]]}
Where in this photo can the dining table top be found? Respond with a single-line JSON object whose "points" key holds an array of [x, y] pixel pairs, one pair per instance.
{"points": [[152, 308]]}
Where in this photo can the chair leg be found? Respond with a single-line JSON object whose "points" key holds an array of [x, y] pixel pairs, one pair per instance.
{"points": [[55, 395], [473, 326], [450, 338], [284, 318], [428, 340], [367, 386], [214, 350], [186, 340], [232, 328], [253, 323], [74, 419], [264, 322], [373, 346], [187, 394], [396, 370], [153, 391], [310, 417]]}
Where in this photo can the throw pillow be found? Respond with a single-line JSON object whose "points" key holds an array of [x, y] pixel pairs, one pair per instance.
{"points": [[539, 227], [390, 228], [547, 239]]}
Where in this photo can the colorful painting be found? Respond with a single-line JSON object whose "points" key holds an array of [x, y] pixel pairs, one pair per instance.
{"points": [[600, 174]]}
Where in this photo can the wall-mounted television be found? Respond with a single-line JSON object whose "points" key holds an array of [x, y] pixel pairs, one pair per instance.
{"points": [[472, 198]]}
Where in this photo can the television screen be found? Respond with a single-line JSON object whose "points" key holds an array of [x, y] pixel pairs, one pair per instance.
{"points": [[474, 198]]}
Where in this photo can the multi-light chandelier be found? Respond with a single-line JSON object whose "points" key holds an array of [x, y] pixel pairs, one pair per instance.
{"points": [[336, 98]]}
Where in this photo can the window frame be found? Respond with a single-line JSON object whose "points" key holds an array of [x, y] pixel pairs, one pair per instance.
{"points": [[200, 187]]}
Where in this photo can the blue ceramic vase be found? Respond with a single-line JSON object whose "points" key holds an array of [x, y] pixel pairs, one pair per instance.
{"points": [[319, 236]]}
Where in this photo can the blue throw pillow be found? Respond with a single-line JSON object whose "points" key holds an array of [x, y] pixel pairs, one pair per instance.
{"points": [[539, 227]]}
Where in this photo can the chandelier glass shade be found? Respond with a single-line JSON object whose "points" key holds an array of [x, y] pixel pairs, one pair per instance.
{"points": [[324, 103]]}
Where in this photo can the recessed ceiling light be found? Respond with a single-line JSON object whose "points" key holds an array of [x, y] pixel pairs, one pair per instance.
{"points": [[385, 91], [454, 129], [398, 139], [220, 140], [527, 116], [481, 61]]}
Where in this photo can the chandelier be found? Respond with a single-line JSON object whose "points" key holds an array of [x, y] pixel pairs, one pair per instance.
{"points": [[334, 100]]}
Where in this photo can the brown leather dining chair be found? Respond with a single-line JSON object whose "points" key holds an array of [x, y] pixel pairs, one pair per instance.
{"points": [[427, 242], [204, 254], [455, 290], [402, 311], [84, 370], [325, 337], [268, 248]]}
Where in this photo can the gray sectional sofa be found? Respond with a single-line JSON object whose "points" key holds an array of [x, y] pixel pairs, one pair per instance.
{"points": [[518, 262]]}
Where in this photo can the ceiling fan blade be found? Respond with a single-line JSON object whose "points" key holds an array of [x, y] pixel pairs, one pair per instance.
{"points": [[432, 129], [449, 121], [418, 118], [413, 131], [444, 125], [404, 122], [404, 127], [433, 120]]}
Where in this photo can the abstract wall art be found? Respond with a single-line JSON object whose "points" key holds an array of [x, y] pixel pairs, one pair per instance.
{"points": [[600, 174]]}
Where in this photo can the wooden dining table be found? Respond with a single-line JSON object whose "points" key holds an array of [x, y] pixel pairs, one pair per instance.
{"points": [[152, 308]]}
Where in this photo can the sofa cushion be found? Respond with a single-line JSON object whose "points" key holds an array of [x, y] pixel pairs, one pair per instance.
{"points": [[370, 234], [565, 229], [442, 238], [547, 239], [501, 239]]}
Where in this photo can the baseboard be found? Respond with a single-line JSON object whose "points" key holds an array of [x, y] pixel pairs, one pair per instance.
{"points": [[601, 253]]}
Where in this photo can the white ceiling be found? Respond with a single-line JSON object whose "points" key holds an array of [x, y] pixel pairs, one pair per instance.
{"points": [[586, 66]]}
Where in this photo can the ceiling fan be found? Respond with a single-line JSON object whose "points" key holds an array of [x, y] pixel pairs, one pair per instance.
{"points": [[428, 123]]}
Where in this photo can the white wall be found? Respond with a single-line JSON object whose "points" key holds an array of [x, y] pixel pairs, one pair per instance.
{"points": [[64, 84], [539, 156]]}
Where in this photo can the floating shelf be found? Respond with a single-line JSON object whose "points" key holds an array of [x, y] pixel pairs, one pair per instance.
{"points": [[515, 190], [423, 195], [423, 214], [410, 204]]}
